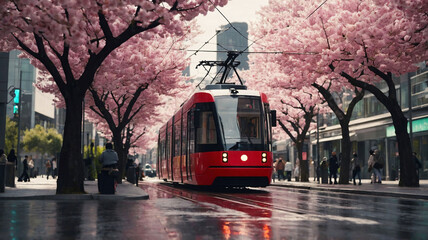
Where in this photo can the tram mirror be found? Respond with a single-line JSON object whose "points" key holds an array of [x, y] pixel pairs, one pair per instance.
{"points": [[273, 117]]}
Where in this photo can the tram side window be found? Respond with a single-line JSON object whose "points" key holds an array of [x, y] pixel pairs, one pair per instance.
{"points": [[162, 149], [268, 128], [177, 135], [206, 132]]}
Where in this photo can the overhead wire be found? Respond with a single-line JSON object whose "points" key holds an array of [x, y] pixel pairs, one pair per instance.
{"points": [[316, 9], [252, 42]]}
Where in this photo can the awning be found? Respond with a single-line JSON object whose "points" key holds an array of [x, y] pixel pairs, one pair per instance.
{"points": [[329, 139]]}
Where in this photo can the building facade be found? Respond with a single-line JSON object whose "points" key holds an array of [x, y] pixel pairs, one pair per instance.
{"points": [[371, 126]]}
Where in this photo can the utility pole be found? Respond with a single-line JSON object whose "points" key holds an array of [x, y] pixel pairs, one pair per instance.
{"points": [[18, 146], [318, 147], [410, 112], [4, 64]]}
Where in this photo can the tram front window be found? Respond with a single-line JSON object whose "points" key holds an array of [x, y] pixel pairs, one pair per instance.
{"points": [[240, 122]]}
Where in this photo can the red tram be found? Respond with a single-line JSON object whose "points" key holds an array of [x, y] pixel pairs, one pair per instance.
{"points": [[221, 136]]}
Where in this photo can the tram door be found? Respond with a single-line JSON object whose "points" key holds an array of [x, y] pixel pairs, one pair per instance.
{"points": [[184, 169], [169, 151], [191, 134], [176, 164]]}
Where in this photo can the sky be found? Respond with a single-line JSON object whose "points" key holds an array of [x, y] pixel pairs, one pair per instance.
{"points": [[235, 11]]}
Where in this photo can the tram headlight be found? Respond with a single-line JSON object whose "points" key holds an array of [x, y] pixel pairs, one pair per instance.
{"points": [[264, 159], [224, 155]]}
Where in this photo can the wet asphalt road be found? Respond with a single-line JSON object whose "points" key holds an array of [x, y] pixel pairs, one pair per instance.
{"points": [[198, 213]]}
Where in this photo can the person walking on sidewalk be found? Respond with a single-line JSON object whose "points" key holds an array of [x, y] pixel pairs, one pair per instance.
{"points": [[48, 168], [374, 166], [31, 166], [24, 176], [297, 171], [11, 158], [356, 168], [275, 161], [280, 166], [54, 168], [417, 162], [3, 157], [333, 166], [288, 169]]}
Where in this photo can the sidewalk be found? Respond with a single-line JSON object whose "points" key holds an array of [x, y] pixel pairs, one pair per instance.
{"points": [[387, 188], [42, 189]]}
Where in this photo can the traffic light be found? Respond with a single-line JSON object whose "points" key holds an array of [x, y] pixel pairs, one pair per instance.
{"points": [[16, 97], [16, 102]]}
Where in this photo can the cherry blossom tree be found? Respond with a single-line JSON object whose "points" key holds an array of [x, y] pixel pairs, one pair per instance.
{"points": [[344, 117], [296, 119], [70, 39], [128, 103], [362, 43], [295, 107]]}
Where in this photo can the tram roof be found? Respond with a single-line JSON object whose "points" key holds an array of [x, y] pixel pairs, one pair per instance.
{"points": [[211, 91], [229, 89]]}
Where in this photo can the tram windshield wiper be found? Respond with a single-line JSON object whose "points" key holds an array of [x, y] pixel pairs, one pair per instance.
{"points": [[237, 145]]}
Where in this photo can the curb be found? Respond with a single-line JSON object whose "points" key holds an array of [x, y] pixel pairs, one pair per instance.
{"points": [[356, 191], [97, 196]]}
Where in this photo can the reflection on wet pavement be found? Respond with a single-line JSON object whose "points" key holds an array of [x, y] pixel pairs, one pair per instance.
{"points": [[196, 213]]}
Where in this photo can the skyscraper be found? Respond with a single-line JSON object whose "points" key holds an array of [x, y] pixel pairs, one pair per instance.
{"points": [[233, 37]]}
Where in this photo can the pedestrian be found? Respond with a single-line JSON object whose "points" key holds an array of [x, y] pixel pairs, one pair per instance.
{"points": [[375, 166], [141, 172], [109, 157], [275, 161], [3, 157], [333, 165], [48, 166], [356, 168], [324, 170], [280, 169], [31, 166], [314, 163], [24, 176], [417, 162], [109, 176], [54, 168], [297, 171], [11, 158], [11, 168], [288, 169]]}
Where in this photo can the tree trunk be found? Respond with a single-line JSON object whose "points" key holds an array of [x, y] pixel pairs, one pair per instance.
{"points": [[346, 154], [408, 176], [303, 164], [344, 119], [70, 164], [121, 153]]}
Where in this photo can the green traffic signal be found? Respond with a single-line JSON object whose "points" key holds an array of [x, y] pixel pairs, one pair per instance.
{"points": [[15, 109], [16, 98]]}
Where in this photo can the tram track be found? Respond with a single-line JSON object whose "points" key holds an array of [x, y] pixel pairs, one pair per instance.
{"points": [[256, 203], [190, 193]]}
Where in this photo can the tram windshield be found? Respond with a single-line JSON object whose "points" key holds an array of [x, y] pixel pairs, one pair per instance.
{"points": [[240, 122]]}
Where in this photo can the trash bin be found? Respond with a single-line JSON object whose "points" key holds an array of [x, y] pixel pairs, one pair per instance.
{"points": [[10, 174], [106, 181], [2, 176], [130, 175], [324, 172]]}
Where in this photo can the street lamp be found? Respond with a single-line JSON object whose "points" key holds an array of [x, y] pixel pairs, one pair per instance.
{"points": [[318, 147]]}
